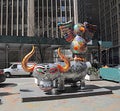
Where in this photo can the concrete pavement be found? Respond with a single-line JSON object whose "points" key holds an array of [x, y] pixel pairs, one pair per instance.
{"points": [[11, 99]]}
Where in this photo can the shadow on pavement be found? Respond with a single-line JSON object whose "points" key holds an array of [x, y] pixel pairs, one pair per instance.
{"points": [[26, 90], [112, 87], [7, 93], [20, 76], [2, 85]]}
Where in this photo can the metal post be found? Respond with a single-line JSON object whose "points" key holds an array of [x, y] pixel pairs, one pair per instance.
{"points": [[1, 16], [6, 17], [17, 17], [75, 12], [23, 17], [99, 51], [6, 55]]}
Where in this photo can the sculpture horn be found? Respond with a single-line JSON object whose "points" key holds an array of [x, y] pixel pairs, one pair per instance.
{"points": [[65, 59], [25, 61]]}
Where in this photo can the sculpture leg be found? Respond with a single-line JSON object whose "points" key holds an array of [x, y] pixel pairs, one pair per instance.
{"points": [[55, 83], [55, 86], [61, 86], [74, 84], [82, 84]]}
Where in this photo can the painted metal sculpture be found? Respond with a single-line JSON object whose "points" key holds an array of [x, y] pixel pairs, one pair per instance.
{"points": [[53, 77]]}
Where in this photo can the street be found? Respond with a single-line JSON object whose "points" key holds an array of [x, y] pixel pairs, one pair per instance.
{"points": [[11, 98]]}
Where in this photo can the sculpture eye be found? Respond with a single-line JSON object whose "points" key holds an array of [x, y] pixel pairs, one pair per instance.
{"points": [[53, 70], [40, 70]]}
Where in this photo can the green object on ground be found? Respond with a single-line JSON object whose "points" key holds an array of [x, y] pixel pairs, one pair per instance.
{"points": [[110, 74]]}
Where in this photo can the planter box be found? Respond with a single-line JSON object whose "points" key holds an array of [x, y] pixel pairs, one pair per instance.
{"points": [[110, 74], [91, 77], [92, 74]]}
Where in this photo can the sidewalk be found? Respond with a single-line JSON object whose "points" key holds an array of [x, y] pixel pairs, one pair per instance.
{"points": [[110, 102]]}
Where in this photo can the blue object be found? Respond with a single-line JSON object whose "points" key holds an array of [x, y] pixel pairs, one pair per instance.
{"points": [[110, 74]]}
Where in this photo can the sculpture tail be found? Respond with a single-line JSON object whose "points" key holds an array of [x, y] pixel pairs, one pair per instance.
{"points": [[67, 62], [25, 61]]}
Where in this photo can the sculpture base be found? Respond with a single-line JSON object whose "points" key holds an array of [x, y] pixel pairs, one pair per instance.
{"points": [[30, 94]]}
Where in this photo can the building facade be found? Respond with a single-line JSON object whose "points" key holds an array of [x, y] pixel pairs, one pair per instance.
{"points": [[105, 14], [88, 10], [110, 29], [32, 18]]}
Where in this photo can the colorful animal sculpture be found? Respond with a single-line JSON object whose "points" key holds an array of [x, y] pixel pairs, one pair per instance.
{"points": [[53, 77]]}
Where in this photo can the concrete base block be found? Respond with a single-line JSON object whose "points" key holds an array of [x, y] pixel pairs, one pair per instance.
{"points": [[0, 100], [30, 94]]}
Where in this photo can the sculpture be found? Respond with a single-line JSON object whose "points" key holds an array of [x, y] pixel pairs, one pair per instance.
{"points": [[53, 77]]}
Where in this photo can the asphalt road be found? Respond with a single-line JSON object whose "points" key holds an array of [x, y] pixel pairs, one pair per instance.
{"points": [[11, 99]]}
